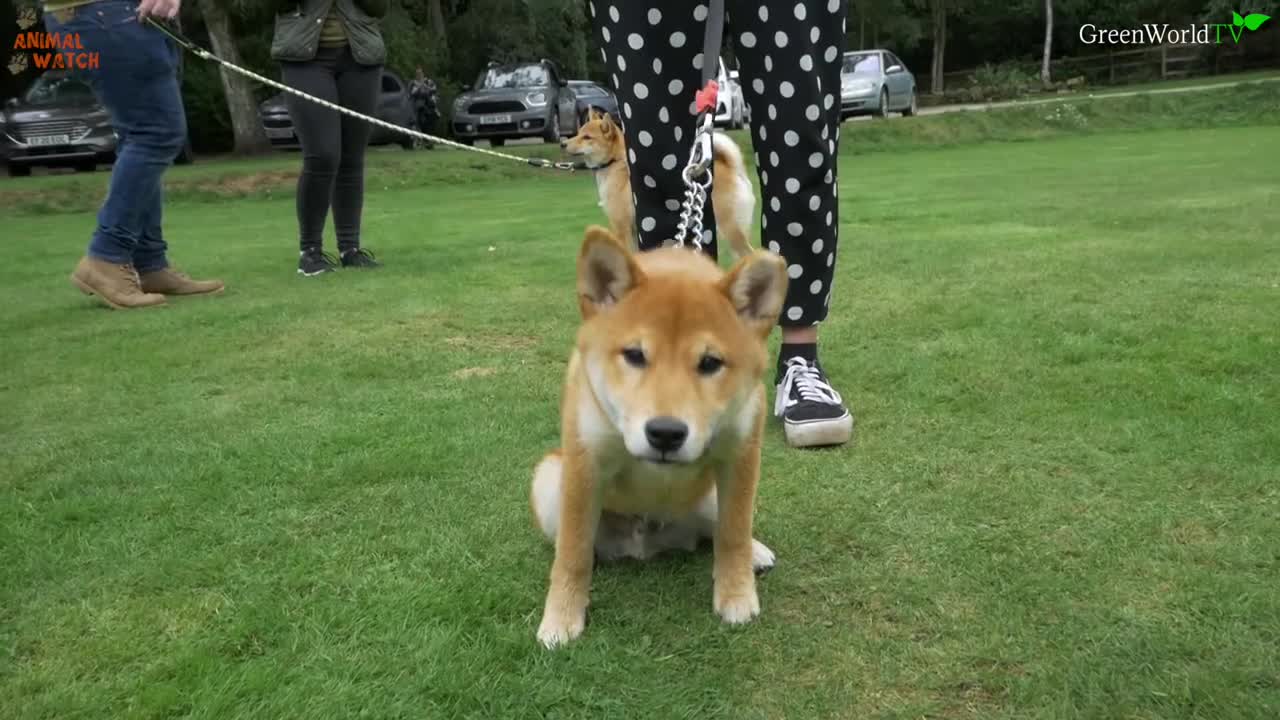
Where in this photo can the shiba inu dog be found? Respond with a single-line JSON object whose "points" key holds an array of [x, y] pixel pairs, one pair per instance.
{"points": [[661, 421], [600, 145]]}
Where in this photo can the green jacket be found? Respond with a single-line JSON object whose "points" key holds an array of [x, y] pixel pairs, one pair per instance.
{"points": [[298, 23]]}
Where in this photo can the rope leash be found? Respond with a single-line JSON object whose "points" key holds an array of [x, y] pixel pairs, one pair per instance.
{"points": [[206, 55], [697, 173]]}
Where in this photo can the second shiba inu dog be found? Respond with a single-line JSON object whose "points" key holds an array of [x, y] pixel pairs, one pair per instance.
{"points": [[661, 421], [600, 144]]}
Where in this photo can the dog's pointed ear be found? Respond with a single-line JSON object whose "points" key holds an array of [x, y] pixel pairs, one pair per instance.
{"points": [[606, 124], [606, 271], [757, 287], [593, 114]]}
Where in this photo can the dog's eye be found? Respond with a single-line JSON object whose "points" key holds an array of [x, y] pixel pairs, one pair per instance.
{"points": [[634, 357], [709, 364]]}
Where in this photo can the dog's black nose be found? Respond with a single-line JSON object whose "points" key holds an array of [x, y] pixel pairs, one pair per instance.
{"points": [[564, 144], [666, 434]]}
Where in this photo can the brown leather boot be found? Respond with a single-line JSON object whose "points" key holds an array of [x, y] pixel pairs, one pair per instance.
{"points": [[170, 281], [117, 285]]}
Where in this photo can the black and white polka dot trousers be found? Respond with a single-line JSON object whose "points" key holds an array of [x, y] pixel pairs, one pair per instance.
{"points": [[789, 54]]}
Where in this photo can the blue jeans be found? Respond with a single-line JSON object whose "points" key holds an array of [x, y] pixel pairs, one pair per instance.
{"points": [[137, 80]]}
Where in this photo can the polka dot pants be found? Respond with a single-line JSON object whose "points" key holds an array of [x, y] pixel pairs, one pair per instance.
{"points": [[789, 54]]}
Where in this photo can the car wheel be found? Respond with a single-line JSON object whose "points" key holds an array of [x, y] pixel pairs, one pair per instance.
{"points": [[19, 170], [913, 108], [497, 142], [883, 111], [553, 129]]}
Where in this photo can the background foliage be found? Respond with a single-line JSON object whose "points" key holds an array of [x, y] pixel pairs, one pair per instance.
{"points": [[453, 39]]}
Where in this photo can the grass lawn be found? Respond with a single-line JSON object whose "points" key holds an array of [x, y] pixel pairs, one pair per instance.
{"points": [[307, 498]]}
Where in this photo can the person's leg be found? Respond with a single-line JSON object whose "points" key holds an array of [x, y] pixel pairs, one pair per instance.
{"points": [[319, 132], [653, 52], [150, 254], [790, 60], [150, 258], [136, 79], [358, 87]]}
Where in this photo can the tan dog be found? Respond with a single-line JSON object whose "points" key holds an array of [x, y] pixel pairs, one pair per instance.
{"points": [[600, 144], [661, 421]]}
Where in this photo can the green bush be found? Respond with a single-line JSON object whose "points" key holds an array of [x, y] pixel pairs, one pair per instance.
{"points": [[1005, 81]]}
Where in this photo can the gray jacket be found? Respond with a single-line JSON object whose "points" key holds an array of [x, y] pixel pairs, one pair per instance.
{"points": [[298, 23]]}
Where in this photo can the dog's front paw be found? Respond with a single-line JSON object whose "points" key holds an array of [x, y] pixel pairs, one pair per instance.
{"points": [[561, 625], [762, 558], [738, 607]]}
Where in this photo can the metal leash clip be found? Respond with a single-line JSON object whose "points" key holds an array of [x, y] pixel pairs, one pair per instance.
{"points": [[697, 172]]}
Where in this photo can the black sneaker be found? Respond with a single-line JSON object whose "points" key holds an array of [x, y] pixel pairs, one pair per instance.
{"points": [[813, 413], [314, 261], [359, 258]]}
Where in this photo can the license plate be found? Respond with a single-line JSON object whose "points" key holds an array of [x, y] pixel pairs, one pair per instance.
{"points": [[46, 140], [494, 119], [276, 133]]}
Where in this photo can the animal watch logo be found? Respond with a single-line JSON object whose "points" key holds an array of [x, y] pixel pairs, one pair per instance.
{"points": [[47, 50], [26, 19]]}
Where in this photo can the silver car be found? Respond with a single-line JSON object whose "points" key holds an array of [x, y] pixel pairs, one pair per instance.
{"points": [[730, 105], [516, 100], [876, 82]]}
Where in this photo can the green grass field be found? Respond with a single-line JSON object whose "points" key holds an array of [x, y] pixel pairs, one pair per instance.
{"points": [[307, 498]]}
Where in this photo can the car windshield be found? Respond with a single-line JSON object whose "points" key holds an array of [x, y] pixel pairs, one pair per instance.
{"points": [[52, 89], [865, 64], [514, 76], [588, 91]]}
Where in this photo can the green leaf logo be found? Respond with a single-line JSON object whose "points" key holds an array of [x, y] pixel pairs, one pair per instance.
{"points": [[1236, 19], [1253, 21]]}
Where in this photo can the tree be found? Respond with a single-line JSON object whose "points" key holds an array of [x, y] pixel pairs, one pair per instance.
{"points": [[938, 29], [1046, 78], [883, 23], [246, 130], [436, 24]]}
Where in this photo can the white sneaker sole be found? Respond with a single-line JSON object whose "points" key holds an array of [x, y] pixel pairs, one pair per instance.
{"points": [[819, 433]]}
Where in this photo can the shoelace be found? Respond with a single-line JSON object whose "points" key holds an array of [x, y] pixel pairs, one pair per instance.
{"points": [[328, 259], [805, 379], [131, 275]]}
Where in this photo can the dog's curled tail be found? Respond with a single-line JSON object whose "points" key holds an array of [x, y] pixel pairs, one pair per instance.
{"points": [[727, 154], [544, 495]]}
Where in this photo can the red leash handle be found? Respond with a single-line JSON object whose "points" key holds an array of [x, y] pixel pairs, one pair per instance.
{"points": [[705, 99]]}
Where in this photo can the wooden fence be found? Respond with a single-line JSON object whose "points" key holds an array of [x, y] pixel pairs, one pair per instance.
{"points": [[1143, 64]]}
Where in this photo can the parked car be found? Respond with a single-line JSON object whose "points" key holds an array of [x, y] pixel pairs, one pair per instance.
{"points": [[737, 84], [731, 106], [876, 82], [516, 100], [394, 106], [58, 122], [593, 96]]}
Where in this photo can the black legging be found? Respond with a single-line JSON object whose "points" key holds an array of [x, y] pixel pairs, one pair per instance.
{"points": [[333, 144], [790, 56]]}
